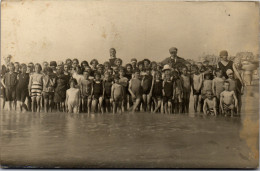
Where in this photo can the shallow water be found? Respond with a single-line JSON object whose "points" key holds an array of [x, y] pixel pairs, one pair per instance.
{"points": [[131, 140]]}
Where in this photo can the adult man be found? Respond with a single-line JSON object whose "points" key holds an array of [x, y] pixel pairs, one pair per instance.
{"points": [[174, 61], [112, 56]]}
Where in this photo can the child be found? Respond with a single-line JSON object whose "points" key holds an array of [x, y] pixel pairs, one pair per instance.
{"points": [[107, 87], [147, 93], [85, 91], [153, 67], [133, 63], [84, 64], [106, 66], [97, 93], [157, 91], [22, 88], [60, 89], [17, 68], [210, 104], [35, 87], [217, 86], [234, 86], [147, 64], [117, 94], [73, 97], [196, 86], [206, 85], [167, 93], [53, 65], [140, 66], [129, 71], [124, 82], [78, 75], [228, 100], [118, 62], [66, 68], [49, 81], [135, 89], [177, 93], [9, 82], [75, 63], [93, 65], [187, 82]]}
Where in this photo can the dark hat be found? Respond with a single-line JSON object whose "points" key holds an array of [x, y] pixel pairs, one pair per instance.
{"points": [[53, 63], [172, 49]]}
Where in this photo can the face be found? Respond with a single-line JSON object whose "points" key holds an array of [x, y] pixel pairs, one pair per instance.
{"points": [[59, 70], [45, 65], [157, 76], [231, 76], [184, 71], [112, 52], [69, 62], [107, 75], [219, 73], [11, 67], [226, 86], [148, 72], [106, 66], [53, 68], [173, 53], [128, 68], [16, 66], [100, 70], [141, 67], [146, 63], [133, 63], [66, 68], [74, 64], [154, 66], [209, 95], [24, 69], [37, 68], [97, 77], [86, 75], [167, 72], [199, 65], [224, 57], [118, 63], [72, 84], [84, 65], [122, 72], [78, 70], [137, 74], [110, 71], [94, 64]]}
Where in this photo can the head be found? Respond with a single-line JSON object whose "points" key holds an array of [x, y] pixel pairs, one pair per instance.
{"points": [[175, 75], [148, 71], [122, 72], [207, 76], [129, 68], [223, 55], [112, 52], [38, 68], [195, 68], [97, 76], [73, 83], [45, 65], [110, 71], [94, 63], [53, 65], [107, 65], [49, 70], [147, 63], [206, 63], [68, 62], [78, 69], [199, 64], [100, 68], [184, 70], [11, 67], [133, 62], [226, 85], [107, 75], [16, 66], [86, 74], [209, 94], [75, 63], [59, 70], [116, 78], [219, 73], [167, 72], [153, 65], [84, 64], [23, 68], [66, 67], [140, 65], [137, 73], [158, 75], [230, 74], [159, 67], [173, 51], [118, 62]]}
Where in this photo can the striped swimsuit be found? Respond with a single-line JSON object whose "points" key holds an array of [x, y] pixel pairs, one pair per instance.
{"points": [[36, 84]]}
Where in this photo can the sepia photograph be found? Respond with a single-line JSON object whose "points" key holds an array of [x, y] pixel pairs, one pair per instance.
{"points": [[129, 84]]}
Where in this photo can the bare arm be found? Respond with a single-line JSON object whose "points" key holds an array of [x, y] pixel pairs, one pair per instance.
{"points": [[235, 98], [205, 107], [129, 88], [213, 87], [221, 102], [112, 91], [3, 82], [163, 88], [215, 106], [237, 74]]}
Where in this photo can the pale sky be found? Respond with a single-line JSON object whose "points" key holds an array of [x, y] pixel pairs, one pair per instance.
{"points": [[41, 30]]}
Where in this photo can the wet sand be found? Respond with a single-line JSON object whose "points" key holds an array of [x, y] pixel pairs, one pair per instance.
{"points": [[141, 140]]}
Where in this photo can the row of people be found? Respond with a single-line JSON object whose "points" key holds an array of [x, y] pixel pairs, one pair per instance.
{"points": [[142, 85]]}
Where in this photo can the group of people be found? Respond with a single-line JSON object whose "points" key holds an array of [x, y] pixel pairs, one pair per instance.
{"points": [[164, 87]]}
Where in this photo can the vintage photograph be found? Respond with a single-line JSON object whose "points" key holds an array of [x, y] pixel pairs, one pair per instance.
{"points": [[129, 84]]}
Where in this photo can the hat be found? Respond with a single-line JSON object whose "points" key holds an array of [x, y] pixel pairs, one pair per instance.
{"points": [[166, 67], [223, 53], [229, 71], [53, 63], [172, 49], [133, 59]]}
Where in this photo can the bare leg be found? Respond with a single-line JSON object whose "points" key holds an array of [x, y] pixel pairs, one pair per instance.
{"points": [[38, 100], [89, 105], [94, 105], [114, 107], [46, 104], [144, 102], [136, 104], [100, 101], [33, 104], [169, 107]]}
